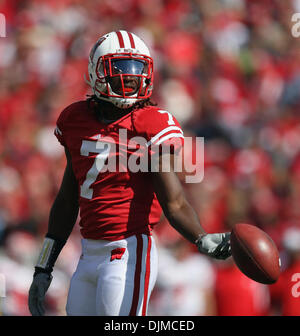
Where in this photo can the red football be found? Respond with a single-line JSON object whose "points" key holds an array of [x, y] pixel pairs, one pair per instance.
{"points": [[255, 253]]}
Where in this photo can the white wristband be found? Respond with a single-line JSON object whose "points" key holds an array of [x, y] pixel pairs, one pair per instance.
{"points": [[45, 253]]}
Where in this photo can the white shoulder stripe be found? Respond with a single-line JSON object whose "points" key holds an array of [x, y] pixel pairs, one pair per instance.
{"points": [[171, 135], [164, 131]]}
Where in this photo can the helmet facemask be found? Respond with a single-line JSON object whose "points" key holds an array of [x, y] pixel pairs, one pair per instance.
{"points": [[124, 78]]}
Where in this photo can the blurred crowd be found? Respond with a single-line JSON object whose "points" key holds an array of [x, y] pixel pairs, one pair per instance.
{"points": [[228, 70]]}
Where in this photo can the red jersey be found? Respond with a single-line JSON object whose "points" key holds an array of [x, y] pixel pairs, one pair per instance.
{"points": [[286, 290], [237, 295], [115, 203]]}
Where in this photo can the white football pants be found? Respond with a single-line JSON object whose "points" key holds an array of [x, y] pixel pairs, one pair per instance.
{"points": [[113, 278]]}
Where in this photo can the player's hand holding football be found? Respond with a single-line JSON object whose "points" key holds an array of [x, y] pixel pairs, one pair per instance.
{"points": [[215, 245], [40, 284]]}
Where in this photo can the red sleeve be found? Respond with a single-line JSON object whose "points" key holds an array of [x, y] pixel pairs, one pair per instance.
{"points": [[160, 129], [60, 129], [276, 289]]}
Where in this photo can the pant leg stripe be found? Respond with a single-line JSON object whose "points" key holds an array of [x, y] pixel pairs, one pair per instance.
{"points": [[147, 277], [137, 276]]}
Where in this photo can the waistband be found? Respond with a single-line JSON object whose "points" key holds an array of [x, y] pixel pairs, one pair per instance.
{"points": [[92, 247]]}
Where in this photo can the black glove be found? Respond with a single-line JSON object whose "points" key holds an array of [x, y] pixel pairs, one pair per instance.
{"points": [[42, 277], [40, 284]]}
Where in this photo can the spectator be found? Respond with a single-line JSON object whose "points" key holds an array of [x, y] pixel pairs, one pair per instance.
{"points": [[185, 279], [286, 292], [237, 295]]}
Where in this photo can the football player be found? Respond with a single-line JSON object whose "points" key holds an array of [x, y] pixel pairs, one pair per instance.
{"points": [[118, 208]]}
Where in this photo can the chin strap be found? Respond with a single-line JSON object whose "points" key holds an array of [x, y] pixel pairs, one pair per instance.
{"points": [[87, 80]]}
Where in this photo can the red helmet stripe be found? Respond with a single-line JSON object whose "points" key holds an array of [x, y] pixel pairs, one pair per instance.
{"points": [[131, 41], [121, 40]]}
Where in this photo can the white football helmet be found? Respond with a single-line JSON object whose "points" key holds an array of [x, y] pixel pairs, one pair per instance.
{"points": [[121, 69]]}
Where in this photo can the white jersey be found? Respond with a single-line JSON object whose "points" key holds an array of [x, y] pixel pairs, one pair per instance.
{"points": [[181, 285]]}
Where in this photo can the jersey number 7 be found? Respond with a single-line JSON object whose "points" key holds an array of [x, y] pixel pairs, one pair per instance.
{"points": [[102, 149]]}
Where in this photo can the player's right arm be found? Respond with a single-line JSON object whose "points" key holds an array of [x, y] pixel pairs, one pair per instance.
{"points": [[181, 214], [63, 215], [162, 131], [65, 208]]}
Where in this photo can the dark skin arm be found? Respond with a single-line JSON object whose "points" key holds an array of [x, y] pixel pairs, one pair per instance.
{"points": [[176, 208], [64, 211]]}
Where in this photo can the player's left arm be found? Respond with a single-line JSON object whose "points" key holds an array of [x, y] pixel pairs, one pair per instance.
{"points": [[181, 214]]}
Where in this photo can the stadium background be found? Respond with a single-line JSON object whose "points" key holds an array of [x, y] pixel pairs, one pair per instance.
{"points": [[228, 70]]}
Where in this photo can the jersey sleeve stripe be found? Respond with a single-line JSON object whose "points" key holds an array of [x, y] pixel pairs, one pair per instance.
{"points": [[171, 135], [164, 131]]}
